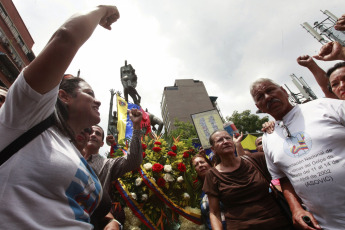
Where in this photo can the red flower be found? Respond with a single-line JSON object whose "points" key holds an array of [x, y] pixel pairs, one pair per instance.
{"points": [[157, 143], [181, 167], [144, 154], [185, 154], [195, 181], [157, 167], [174, 148], [161, 182], [156, 149], [144, 146], [172, 154]]}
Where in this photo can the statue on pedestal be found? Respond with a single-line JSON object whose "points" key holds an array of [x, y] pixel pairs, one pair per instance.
{"points": [[129, 82], [112, 120]]}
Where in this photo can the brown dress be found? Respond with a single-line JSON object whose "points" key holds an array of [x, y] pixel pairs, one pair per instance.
{"points": [[245, 194]]}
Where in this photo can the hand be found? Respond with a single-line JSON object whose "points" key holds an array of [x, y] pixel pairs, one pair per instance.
{"points": [[340, 25], [237, 139], [112, 225], [202, 151], [330, 52], [136, 117], [268, 127], [111, 15], [110, 139], [300, 224], [306, 61]]}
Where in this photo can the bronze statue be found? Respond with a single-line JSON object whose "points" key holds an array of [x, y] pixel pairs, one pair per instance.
{"points": [[129, 82], [112, 120], [154, 120]]}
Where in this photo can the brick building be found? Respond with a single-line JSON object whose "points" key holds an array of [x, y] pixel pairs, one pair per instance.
{"points": [[186, 97], [15, 43]]}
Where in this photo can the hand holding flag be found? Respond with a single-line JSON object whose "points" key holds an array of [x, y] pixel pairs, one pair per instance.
{"points": [[136, 117]]}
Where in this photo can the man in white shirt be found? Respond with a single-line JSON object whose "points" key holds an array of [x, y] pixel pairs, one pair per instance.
{"points": [[306, 152]]}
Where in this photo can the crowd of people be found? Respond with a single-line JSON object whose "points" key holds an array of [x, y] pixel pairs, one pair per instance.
{"points": [[58, 180], [301, 151]]}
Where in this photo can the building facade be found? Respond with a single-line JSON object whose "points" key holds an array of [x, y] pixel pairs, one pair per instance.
{"points": [[186, 97], [15, 43]]}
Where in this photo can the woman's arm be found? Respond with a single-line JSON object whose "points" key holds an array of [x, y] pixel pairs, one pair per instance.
{"points": [[46, 71], [216, 221], [238, 145]]}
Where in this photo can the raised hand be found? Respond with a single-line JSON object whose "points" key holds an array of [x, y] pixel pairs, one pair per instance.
{"points": [[111, 16], [136, 117], [340, 25], [331, 51], [110, 139], [237, 139], [306, 61]]}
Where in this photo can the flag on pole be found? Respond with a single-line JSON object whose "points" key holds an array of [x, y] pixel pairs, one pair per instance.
{"points": [[124, 124], [122, 117], [129, 124]]}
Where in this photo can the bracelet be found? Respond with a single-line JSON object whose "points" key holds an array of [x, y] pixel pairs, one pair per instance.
{"points": [[121, 227]]}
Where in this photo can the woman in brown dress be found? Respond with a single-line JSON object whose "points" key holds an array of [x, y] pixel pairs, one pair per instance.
{"points": [[242, 189]]}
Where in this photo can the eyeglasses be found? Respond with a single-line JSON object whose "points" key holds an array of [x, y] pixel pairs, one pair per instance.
{"points": [[286, 131]]}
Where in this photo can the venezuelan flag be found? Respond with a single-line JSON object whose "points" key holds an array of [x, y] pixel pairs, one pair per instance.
{"points": [[124, 124], [122, 107]]}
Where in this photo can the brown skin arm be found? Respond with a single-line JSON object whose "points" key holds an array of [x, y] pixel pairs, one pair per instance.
{"points": [[215, 219], [268, 127], [295, 206], [340, 25], [319, 74], [46, 71], [238, 145], [331, 51], [136, 117]]}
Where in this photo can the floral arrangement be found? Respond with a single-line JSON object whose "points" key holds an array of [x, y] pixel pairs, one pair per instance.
{"points": [[164, 189]]}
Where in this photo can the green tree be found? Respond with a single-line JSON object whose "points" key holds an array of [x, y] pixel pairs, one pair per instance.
{"points": [[185, 130], [246, 122]]}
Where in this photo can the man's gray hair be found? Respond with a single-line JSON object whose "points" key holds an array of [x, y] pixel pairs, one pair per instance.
{"points": [[259, 81]]}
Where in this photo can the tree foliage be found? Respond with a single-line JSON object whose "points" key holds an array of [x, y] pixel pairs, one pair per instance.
{"points": [[246, 122], [185, 130]]}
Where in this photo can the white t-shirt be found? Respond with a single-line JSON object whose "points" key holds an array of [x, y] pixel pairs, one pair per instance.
{"points": [[313, 159], [47, 184]]}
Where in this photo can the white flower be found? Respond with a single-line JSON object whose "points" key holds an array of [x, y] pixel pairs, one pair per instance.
{"points": [[167, 168], [144, 197], [138, 181], [134, 196], [180, 179], [147, 166], [168, 177], [186, 196]]}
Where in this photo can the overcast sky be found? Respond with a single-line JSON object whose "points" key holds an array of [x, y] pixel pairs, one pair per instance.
{"points": [[226, 44]]}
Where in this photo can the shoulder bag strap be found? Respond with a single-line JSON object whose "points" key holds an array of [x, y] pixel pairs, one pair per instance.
{"points": [[25, 138], [254, 163]]}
